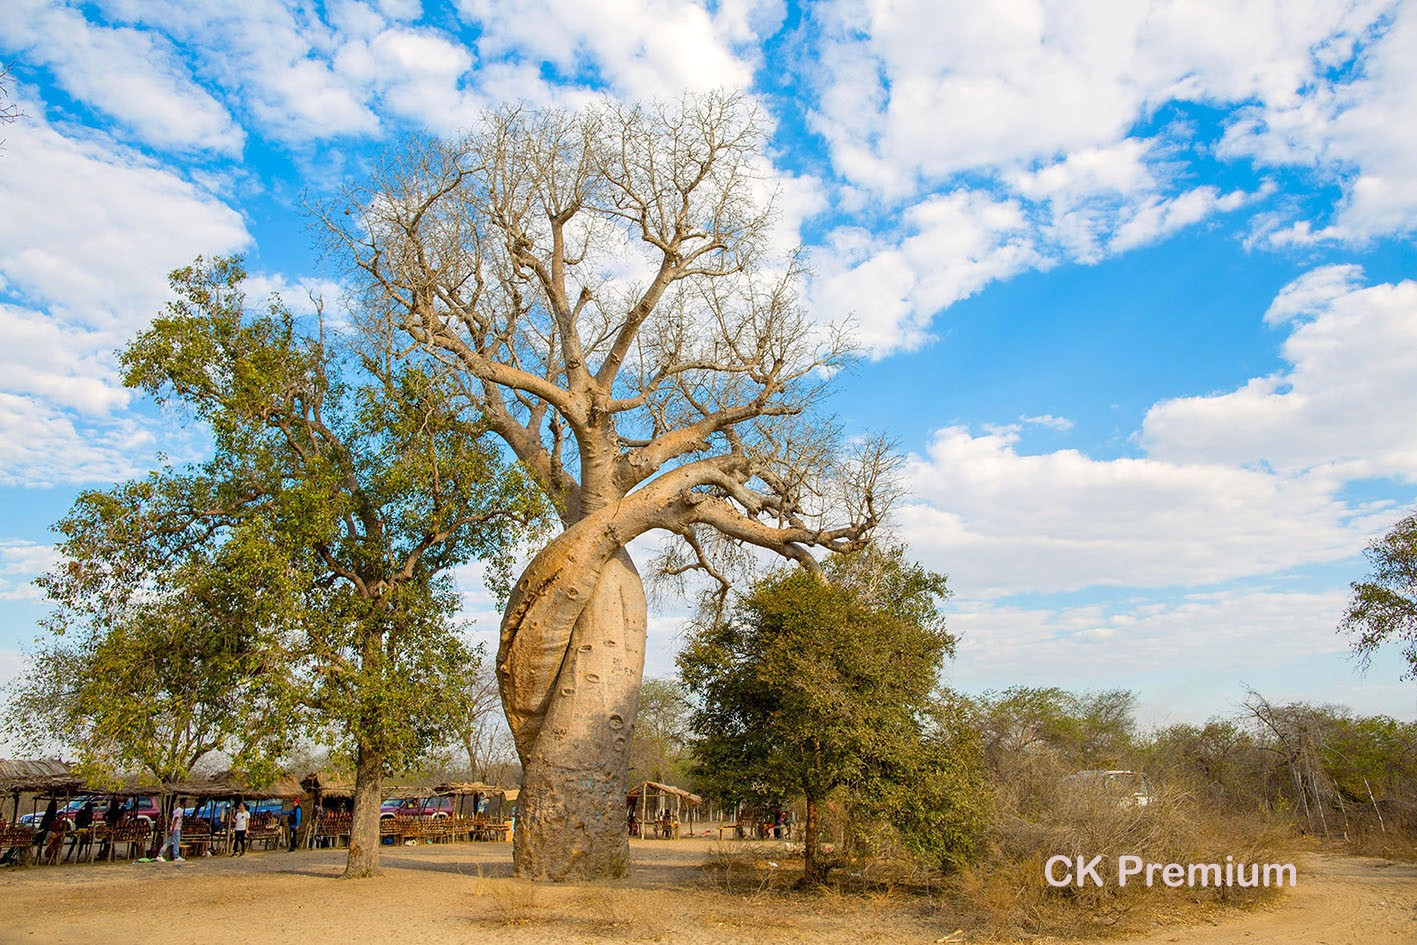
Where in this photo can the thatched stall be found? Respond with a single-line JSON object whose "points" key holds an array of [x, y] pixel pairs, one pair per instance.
{"points": [[211, 790], [330, 818], [482, 810], [40, 779], [658, 810]]}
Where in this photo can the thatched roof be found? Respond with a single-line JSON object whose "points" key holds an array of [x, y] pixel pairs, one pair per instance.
{"points": [[469, 787], [329, 783], [654, 787], [38, 777], [236, 784]]}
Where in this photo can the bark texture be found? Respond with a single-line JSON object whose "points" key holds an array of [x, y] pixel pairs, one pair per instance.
{"points": [[575, 750], [364, 827]]}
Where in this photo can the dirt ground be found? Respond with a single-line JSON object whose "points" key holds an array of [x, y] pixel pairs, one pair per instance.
{"points": [[464, 892]]}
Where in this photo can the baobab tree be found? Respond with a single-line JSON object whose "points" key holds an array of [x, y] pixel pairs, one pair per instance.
{"points": [[601, 283]]}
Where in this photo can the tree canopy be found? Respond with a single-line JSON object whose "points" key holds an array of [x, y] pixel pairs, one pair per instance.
{"points": [[1383, 608], [341, 489], [808, 686]]}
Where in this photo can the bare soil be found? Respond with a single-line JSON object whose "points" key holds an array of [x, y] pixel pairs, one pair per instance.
{"points": [[464, 892]]}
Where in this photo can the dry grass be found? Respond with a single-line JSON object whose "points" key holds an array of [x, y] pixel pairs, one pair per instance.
{"points": [[1007, 896]]}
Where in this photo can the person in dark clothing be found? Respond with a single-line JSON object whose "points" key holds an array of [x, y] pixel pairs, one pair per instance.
{"points": [[50, 837], [292, 823], [46, 824], [83, 820]]}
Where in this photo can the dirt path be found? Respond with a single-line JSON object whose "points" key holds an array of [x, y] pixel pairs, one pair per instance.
{"points": [[440, 894], [1338, 900]]}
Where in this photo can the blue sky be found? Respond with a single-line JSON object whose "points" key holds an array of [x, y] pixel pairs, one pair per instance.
{"points": [[1135, 282]]}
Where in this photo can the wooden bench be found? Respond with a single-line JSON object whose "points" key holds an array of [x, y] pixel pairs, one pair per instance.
{"points": [[333, 827], [20, 839], [265, 829], [137, 835], [739, 830], [196, 836], [487, 830]]}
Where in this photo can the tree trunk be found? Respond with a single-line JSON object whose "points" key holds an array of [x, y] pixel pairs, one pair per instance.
{"points": [[571, 813], [811, 872], [364, 826]]}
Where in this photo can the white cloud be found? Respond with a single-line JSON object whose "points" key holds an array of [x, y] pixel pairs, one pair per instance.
{"points": [[41, 445], [1061, 424], [1036, 104], [88, 231], [21, 561], [639, 49], [1345, 402], [133, 75], [93, 229], [65, 364], [1004, 522], [276, 60], [1354, 129], [953, 246], [1232, 632]]}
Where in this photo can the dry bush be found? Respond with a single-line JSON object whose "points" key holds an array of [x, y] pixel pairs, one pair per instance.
{"points": [[1007, 893], [1393, 843], [609, 910], [750, 870], [510, 901]]}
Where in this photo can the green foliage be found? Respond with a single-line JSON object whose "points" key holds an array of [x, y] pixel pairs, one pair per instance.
{"points": [[660, 750], [813, 686], [1383, 609], [1078, 730], [339, 492]]}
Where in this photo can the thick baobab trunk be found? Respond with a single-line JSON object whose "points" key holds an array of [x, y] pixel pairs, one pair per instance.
{"points": [[364, 825], [571, 813]]}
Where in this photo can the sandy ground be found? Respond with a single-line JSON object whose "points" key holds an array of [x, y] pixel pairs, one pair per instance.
{"points": [[463, 892]]}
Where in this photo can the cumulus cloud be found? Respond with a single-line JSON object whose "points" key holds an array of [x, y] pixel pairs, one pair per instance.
{"points": [[21, 561], [88, 231], [1039, 105], [1111, 644], [1002, 521], [92, 228], [1231, 485], [953, 245], [630, 47], [42, 445], [1344, 403], [134, 76]]}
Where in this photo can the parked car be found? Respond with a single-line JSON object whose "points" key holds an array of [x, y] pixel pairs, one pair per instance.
{"points": [[433, 806], [144, 808], [1130, 788]]}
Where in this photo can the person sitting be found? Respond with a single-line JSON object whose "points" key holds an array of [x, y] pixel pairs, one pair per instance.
{"points": [[83, 831]]}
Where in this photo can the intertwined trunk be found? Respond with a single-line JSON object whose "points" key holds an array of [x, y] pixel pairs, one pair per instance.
{"points": [[571, 702]]}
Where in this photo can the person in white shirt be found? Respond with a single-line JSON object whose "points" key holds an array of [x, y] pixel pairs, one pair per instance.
{"points": [[241, 822], [174, 837]]}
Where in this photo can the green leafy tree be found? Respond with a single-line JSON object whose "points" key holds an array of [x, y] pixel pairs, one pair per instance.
{"points": [[1383, 609], [340, 492], [661, 746], [155, 686], [811, 686]]}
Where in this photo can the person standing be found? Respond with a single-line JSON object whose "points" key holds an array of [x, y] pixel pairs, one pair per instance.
{"points": [[292, 823], [240, 823], [174, 837]]}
